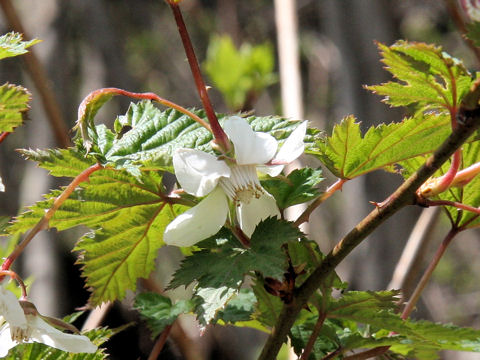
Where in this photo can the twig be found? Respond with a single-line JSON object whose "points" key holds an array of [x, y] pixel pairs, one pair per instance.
{"points": [[313, 337], [403, 196], [43, 222], [4, 135], [220, 136], [162, 339], [428, 273], [412, 256], [456, 204], [40, 79]]}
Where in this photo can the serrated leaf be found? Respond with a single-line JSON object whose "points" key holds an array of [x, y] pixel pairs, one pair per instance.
{"points": [[13, 103], [159, 311], [128, 215], [212, 300], [268, 307], [11, 44], [154, 135], [239, 308], [347, 154], [358, 301], [473, 32], [298, 187], [427, 77]]}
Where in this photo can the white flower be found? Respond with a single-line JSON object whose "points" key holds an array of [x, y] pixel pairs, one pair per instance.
{"points": [[21, 327], [201, 174]]}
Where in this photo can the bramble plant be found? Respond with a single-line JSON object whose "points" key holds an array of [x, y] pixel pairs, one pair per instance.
{"points": [[249, 266]]}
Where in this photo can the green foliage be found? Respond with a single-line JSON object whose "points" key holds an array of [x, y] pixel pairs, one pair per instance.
{"points": [[11, 44], [428, 78], [239, 74], [13, 103], [473, 32], [38, 351], [298, 187], [159, 311], [347, 154], [220, 264]]}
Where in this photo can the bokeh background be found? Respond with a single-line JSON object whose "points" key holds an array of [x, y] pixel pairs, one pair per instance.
{"points": [[134, 45]]}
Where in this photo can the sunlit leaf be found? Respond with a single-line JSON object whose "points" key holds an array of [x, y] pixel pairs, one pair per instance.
{"points": [[11, 44], [13, 103]]}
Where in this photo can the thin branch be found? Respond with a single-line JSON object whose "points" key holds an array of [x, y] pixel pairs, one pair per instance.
{"points": [[313, 337], [456, 204], [160, 343], [220, 136], [403, 196], [428, 273], [43, 222], [412, 256], [4, 135], [40, 79]]}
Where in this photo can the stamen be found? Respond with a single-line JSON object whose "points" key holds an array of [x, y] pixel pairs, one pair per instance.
{"points": [[242, 185]]}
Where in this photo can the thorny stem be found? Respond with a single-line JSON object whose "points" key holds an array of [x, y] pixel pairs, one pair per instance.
{"points": [[159, 344], [4, 135], [220, 136], [329, 192], [43, 222], [428, 273], [313, 337], [402, 197]]}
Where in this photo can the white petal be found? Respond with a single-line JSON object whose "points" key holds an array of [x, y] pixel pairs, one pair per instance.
{"points": [[251, 214], [199, 222], [198, 172], [11, 310], [293, 147], [6, 342], [46, 334], [250, 147], [272, 170]]}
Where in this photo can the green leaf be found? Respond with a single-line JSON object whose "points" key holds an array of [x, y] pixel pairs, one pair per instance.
{"points": [[128, 215], [13, 103], [239, 308], [268, 307], [347, 154], [11, 44], [353, 302], [159, 311], [212, 300], [427, 77], [239, 74], [298, 187]]}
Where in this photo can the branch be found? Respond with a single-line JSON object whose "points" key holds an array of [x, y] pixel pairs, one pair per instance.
{"points": [[469, 121]]}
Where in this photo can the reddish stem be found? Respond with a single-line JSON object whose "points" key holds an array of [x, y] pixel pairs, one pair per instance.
{"points": [[4, 135], [456, 204], [160, 343], [220, 136], [313, 337], [329, 192], [43, 222], [17, 278]]}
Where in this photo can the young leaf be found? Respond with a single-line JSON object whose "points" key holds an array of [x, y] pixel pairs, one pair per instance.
{"points": [[13, 103], [347, 154], [427, 77], [241, 73], [159, 311], [11, 44], [298, 187]]}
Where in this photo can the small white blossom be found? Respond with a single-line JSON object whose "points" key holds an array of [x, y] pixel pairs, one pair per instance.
{"points": [[27, 327], [201, 174]]}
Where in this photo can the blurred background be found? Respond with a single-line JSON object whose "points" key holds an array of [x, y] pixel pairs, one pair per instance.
{"points": [[134, 45]]}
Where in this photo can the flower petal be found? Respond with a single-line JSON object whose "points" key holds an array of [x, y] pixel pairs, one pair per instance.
{"points": [[199, 222], [249, 215], [46, 334], [293, 147], [11, 310], [198, 172], [6, 342], [250, 147], [272, 170]]}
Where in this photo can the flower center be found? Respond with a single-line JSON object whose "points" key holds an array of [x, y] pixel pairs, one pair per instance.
{"points": [[242, 185], [19, 334]]}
